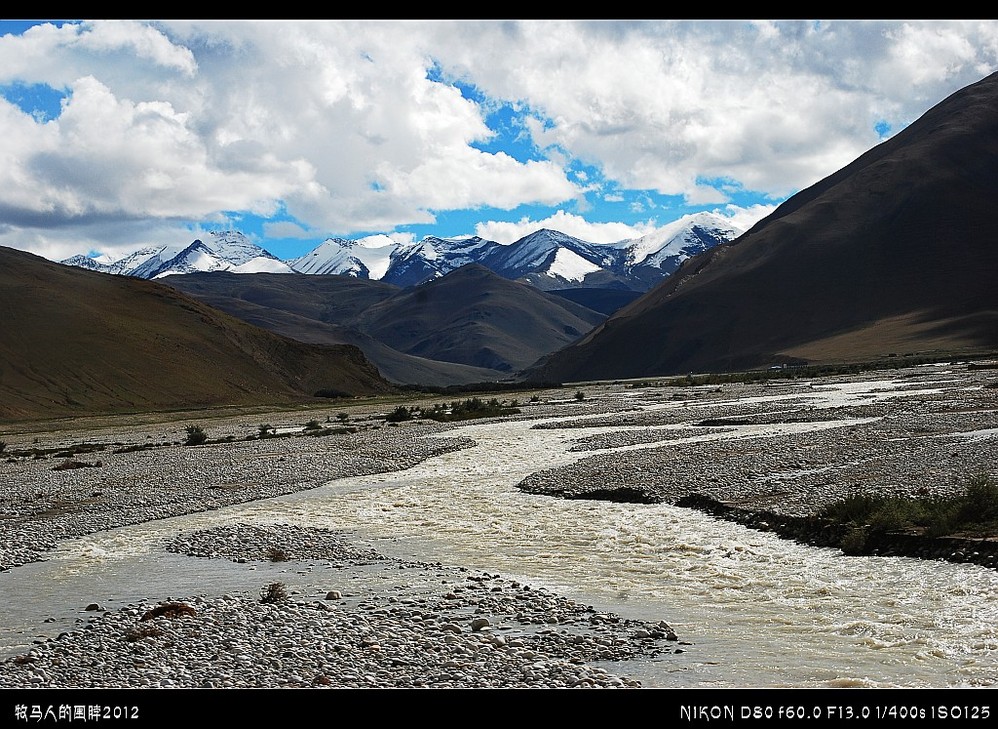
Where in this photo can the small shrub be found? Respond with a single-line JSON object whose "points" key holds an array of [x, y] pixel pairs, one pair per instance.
{"points": [[580, 396], [275, 592], [170, 610], [266, 430], [857, 508], [854, 542], [981, 500], [399, 414], [342, 417], [195, 435], [313, 425], [895, 514]]}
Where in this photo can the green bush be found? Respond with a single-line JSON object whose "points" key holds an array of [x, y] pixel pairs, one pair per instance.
{"points": [[975, 510], [399, 414], [856, 508], [277, 554], [195, 435], [854, 542], [274, 592], [981, 500]]}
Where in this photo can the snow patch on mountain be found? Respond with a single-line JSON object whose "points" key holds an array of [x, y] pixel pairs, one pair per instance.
{"points": [[680, 239], [570, 266], [219, 251]]}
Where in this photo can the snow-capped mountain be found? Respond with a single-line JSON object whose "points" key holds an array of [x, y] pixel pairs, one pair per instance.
{"points": [[550, 259], [228, 251], [222, 251], [435, 257], [368, 257], [672, 244], [81, 261], [547, 259]]}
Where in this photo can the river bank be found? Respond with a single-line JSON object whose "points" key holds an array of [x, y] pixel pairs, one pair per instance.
{"points": [[772, 458], [790, 431], [397, 623]]}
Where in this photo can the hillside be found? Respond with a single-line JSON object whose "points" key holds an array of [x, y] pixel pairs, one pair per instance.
{"points": [[893, 254], [468, 326], [79, 342], [475, 317]]}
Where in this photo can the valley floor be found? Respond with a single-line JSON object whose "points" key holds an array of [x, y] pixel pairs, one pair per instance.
{"points": [[919, 431]]}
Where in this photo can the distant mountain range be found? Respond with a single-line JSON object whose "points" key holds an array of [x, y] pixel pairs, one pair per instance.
{"points": [[468, 326], [546, 259], [228, 251], [893, 254]]}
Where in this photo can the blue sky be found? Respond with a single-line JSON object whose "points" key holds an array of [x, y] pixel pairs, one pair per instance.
{"points": [[121, 134]]}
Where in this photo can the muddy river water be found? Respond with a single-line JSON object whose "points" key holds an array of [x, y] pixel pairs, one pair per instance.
{"points": [[757, 610]]}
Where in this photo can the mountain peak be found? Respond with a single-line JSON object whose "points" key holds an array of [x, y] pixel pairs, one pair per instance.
{"points": [[546, 258]]}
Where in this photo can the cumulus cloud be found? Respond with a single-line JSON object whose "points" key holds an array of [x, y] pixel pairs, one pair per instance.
{"points": [[574, 225], [577, 226], [745, 217], [776, 106], [360, 125]]}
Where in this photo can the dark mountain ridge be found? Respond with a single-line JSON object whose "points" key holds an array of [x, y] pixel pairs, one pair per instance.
{"points": [[894, 253], [468, 326]]}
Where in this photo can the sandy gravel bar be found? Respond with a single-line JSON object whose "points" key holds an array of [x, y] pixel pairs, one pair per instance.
{"points": [[438, 627], [929, 437], [40, 505]]}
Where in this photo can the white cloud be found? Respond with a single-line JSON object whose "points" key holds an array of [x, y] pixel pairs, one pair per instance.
{"points": [[286, 229], [574, 225], [342, 125], [106, 156], [775, 106], [577, 226], [745, 217], [114, 51]]}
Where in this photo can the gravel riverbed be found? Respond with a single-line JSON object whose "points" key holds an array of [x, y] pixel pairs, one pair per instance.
{"points": [[925, 432], [424, 625]]}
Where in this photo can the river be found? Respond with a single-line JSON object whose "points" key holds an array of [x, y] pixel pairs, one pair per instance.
{"points": [[757, 610]]}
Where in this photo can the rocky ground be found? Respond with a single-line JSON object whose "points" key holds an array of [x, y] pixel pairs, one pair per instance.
{"points": [[43, 501], [427, 625], [926, 436], [437, 627], [440, 625]]}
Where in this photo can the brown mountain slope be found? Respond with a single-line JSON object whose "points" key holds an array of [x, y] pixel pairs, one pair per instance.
{"points": [[77, 342], [895, 253], [475, 317], [319, 309]]}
